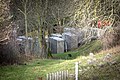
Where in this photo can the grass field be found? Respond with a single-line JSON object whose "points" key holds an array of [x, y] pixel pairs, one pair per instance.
{"points": [[39, 68]]}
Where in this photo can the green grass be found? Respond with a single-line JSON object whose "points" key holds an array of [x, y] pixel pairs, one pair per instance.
{"points": [[39, 68], [33, 69], [36, 68], [108, 71], [94, 46]]}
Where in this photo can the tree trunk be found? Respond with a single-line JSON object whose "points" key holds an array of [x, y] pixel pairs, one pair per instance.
{"points": [[43, 40], [26, 29]]}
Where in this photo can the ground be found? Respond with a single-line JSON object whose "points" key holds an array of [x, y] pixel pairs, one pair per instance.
{"points": [[100, 70]]}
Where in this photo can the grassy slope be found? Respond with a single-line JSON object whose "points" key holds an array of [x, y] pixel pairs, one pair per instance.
{"points": [[107, 71], [84, 50], [39, 68]]}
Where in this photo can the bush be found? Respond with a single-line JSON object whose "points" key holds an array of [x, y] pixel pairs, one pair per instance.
{"points": [[112, 37]]}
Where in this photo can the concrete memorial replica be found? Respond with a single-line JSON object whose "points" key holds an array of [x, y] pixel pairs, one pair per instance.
{"points": [[71, 40], [36, 46], [56, 44], [76, 31], [33, 45]]}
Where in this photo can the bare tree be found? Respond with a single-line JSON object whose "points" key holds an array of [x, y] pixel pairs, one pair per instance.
{"points": [[25, 11], [40, 9]]}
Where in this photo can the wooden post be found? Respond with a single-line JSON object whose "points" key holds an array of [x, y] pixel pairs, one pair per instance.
{"points": [[47, 76], [76, 70], [57, 75], [50, 76], [66, 74], [62, 75]]}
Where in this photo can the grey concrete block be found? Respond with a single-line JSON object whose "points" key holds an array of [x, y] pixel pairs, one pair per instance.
{"points": [[71, 40], [56, 44]]}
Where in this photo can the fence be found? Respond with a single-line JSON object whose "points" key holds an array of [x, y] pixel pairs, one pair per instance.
{"points": [[64, 75], [61, 75]]}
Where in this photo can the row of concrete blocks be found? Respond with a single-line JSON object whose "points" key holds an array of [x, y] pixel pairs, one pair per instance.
{"points": [[71, 38], [62, 43]]}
